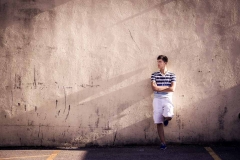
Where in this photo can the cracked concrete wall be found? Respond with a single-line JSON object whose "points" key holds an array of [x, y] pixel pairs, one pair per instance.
{"points": [[77, 72]]}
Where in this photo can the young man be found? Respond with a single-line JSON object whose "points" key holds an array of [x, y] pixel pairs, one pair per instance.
{"points": [[163, 84]]}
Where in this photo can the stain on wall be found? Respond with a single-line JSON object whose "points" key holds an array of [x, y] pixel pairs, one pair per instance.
{"points": [[77, 72]]}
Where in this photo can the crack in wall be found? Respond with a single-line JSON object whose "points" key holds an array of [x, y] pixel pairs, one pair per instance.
{"points": [[134, 41], [67, 113]]}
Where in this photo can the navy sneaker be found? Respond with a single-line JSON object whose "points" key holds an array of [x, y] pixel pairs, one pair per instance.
{"points": [[165, 122], [163, 146]]}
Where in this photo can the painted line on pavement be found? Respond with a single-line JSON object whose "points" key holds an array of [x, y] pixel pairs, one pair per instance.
{"points": [[212, 153], [24, 157], [53, 155]]}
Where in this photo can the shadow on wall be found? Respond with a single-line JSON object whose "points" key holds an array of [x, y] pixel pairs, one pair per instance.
{"points": [[96, 121], [220, 122], [220, 112], [23, 11], [69, 119], [144, 11], [12, 11]]}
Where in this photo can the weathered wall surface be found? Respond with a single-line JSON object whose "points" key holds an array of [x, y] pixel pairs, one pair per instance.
{"points": [[77, 72]]}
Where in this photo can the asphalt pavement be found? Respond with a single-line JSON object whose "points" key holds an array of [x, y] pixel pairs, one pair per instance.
{"points": [[178, 152]]}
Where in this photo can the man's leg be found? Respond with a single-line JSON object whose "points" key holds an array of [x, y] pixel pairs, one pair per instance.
{"points": [[167, 111], [161, 132], [168, 118]]}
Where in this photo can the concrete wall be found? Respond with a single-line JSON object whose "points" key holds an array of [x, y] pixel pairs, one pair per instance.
{"points": [[77, 72]]}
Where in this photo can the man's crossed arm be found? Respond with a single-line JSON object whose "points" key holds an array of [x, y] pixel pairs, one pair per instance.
{"points": [[163, 88]]}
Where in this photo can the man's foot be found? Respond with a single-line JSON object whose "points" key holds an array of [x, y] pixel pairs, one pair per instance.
{"points": [[163, 146], [165, 122]]}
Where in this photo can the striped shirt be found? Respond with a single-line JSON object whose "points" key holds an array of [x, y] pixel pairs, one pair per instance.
{"points": [[163, 80]]}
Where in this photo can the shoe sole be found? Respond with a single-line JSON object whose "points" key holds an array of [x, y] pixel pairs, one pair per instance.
{"points": [[163, 148], [165, 123]]}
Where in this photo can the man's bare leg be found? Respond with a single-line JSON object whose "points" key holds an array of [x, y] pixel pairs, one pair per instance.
{"points": [[161, 132]]}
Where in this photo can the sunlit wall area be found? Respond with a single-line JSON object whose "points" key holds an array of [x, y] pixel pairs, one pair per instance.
{"points": [[77, 72]]}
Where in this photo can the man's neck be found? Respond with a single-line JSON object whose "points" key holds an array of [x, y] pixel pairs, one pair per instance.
{"points": [[163, 71]]}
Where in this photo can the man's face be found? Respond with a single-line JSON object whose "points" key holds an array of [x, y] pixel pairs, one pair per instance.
{"points": [[161, 64]]}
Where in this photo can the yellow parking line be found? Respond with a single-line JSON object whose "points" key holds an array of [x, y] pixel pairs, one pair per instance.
{"points": [[24, 157], [212, 153], [53, 155]]}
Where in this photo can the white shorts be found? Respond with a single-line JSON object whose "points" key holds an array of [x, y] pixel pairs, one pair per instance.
{"points": [[162, 107]]}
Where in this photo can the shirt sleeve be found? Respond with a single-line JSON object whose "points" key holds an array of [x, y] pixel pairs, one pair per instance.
{"points": [[153, 77], [173, 79]]}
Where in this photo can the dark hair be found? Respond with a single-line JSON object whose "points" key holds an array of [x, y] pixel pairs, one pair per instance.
{"points": [[162, 57]]}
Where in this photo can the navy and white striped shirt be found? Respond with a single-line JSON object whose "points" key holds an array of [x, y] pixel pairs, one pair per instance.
{"points": [[163, 80]]}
